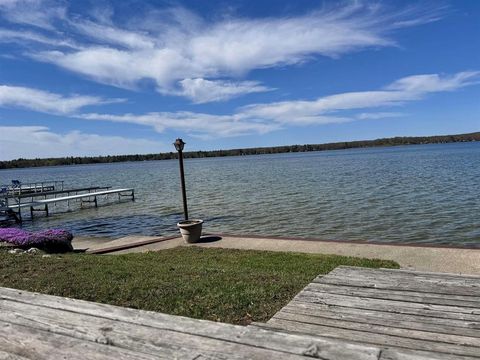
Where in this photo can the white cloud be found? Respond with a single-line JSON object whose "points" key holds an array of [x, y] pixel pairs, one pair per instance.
{"points": [[194, 124], [263, 118], [401, 91], [40, 142], [378, 115], [44, 101], [111, 35], [295, 110], [38, 13], [252, 119], [28, 37], [177, 49], [434, 82], [115, 67], [203, 91]]}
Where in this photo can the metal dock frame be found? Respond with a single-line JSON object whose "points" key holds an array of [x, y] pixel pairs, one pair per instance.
{"points": [[84, 198], [19, 188]]}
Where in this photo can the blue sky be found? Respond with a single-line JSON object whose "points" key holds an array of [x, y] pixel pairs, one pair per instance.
{"points": [[123, 77]]}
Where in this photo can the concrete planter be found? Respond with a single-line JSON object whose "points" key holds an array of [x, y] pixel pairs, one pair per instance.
{"points": [[191, 230]]}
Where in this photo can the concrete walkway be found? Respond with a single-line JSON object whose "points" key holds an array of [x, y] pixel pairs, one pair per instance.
{"points": [[421, 258], [99, 245]]}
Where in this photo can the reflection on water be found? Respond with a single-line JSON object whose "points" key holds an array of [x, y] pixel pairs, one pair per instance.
{"points": [[426, 193]]}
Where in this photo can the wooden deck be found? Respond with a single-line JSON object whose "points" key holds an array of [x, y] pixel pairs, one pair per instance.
{"points": [[351, 313], [401, 309]]}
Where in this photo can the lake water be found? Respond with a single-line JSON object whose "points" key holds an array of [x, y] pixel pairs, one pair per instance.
{"points": [[421, 194]]}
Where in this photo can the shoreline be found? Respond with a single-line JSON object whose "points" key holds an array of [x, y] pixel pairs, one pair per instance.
{"points": [[411, 257], [291, 238], [365, 242], [396, 141]]}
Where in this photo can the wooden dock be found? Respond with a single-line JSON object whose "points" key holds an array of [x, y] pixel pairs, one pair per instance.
{"points": [[351, 313]]}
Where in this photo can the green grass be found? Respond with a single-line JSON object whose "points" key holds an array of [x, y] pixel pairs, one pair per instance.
{"points": [[234, 286]]}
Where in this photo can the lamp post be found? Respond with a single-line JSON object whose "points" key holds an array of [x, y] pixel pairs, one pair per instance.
{"points": [[179, 145]]}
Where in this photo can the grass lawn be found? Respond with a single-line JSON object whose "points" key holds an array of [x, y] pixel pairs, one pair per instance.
{"points": [[234, 286]]}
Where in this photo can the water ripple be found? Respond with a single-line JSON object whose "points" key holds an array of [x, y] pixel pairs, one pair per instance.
{"points": [[420, 194]]}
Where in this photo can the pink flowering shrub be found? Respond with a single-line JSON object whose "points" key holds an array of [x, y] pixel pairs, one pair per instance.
{"points": [[54, 240]]}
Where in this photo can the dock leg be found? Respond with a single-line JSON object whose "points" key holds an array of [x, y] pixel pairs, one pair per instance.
{"points": [[133, 195], [31, 212], [13, 214], [95, 200], [46, 209]]}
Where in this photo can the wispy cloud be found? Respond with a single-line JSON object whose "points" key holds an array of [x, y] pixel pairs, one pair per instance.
{"points": [[39, 141], [403, 90], [203, 91], [44, 101], [252, 119], [27, 37], [435, 82], [111, 35], [37, 13], [195, 124], [338, 108], [187, 56], [378, 115]]}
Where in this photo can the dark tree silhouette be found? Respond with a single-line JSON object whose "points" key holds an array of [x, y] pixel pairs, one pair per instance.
{"points": [[395, 141]]}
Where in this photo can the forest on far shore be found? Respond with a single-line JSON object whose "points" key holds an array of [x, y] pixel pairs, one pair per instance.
{"points": [[394, 141]]}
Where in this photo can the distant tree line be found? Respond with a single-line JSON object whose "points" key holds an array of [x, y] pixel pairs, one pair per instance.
{"points": [[395, 141]]}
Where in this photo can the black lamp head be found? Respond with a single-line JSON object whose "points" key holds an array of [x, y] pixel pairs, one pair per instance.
{"points": [[179, 144]]}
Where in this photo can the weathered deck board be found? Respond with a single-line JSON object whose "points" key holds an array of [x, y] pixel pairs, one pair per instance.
{"points": [[444, 326], [384, 329], [398, 309], [353, 318], [401, 307], [154, 333], [390, 294], [423, 275], [20, 342], [375, 339], [406, 281]]}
